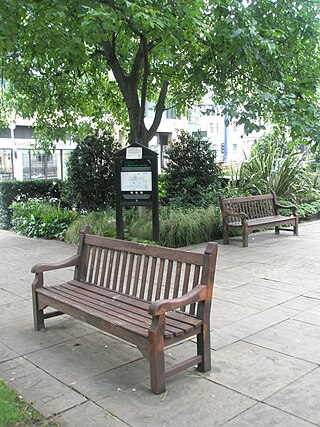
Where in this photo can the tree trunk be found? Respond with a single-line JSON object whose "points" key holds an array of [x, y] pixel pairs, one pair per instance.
{"points": [[129, 87]]}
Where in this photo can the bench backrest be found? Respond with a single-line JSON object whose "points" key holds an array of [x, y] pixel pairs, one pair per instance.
{"points": [[144, 271], [260, 206]]}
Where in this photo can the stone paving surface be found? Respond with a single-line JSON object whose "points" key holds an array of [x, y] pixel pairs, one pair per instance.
{"points": [[265, 335]]}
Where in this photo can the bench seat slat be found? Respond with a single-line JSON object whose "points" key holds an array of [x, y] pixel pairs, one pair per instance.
{"points": [[136, 302], [102, 309], [139, 316], [265, 221], [132, 313], [176, 325], [69, 302]]}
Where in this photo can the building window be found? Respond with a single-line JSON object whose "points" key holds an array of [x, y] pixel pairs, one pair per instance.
{"points": [[38, 166], [235, 148], [234, 127], [214, 127], [65, 154], [170, 113], [6, 165]]}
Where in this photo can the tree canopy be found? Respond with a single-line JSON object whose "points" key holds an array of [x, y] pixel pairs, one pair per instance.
{"points": [[69, 59]]}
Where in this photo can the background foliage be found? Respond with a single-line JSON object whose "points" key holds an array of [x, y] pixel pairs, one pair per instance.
{"points": [[258, 58]]}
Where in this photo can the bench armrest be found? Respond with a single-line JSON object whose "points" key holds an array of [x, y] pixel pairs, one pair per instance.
{"points": [[41, 267], [198, 293], [293, 208], [243, 216]]}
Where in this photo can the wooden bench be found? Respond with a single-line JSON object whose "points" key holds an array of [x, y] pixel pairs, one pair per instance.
{"points": [[147, 295], [253, 213]]}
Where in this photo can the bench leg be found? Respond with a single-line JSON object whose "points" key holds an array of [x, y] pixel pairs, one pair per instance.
{"points": [[38, 315], [156, 355], [276, 229], [203, 349], [245, 234], [225, 235], [296, 228]]}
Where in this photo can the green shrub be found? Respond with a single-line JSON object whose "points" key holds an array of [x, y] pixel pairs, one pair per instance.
{"points": [[41, 219], [309, 210], [22, 191], [91, 183], [192, 174]]}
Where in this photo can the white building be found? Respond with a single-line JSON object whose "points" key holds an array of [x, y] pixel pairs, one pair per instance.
{"points": [[19, 161]]}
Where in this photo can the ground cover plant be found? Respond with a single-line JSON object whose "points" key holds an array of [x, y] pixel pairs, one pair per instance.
{"points": [[22, 191], [42, 219], [14, 411], [178, 226]]}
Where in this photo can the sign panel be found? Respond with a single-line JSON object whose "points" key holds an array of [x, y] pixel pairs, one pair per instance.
{"points": [[134, 153], [136, 181]]}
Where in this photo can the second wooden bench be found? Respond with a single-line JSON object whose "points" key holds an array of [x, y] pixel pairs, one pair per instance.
{"points": [[254, 213]]}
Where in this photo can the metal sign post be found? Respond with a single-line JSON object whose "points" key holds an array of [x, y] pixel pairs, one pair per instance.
{"points": [[136, 173]]}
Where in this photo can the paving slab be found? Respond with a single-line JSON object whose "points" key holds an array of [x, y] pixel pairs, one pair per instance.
{"points": [[84, 357], [233, 367], [191, 400], [301, 398], [23, 339], [6, 353], [263, 415], [249, 326], [48, 395], [88, 414], [224, 313], [254, 296], [298, 339], [265, 339]]}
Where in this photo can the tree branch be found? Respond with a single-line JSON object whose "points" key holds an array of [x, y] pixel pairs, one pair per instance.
{"points": [[144, 84], [159, 109]]}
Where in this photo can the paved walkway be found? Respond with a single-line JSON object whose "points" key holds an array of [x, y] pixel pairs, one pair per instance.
{"points": [[265, 344]]}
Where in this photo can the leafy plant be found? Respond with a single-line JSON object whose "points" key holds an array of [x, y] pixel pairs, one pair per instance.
{"points": [[22, 191], [41, 219], [192, 175], [309, 210], [268, 170]]}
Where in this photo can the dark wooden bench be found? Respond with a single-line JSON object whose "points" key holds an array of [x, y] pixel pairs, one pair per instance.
{"points": [[147, 295], [253, 213]]}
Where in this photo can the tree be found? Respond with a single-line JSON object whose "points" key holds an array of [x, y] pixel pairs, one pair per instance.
{"points": [[90, 183], [192, 174], [67, 59]]}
